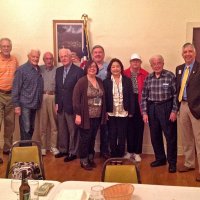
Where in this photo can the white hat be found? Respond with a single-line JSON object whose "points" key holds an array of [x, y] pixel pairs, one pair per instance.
{"points": [[135, 56]]}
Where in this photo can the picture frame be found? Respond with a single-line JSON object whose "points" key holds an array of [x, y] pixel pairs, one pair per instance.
{"points": [[68, 34]]}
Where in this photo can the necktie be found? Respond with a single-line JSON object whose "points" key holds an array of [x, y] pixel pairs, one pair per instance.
{"points": [[183, 83]]}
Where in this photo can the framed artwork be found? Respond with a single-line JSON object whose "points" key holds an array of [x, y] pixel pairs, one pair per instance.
{"points": [[68, 34], [193, 36]]}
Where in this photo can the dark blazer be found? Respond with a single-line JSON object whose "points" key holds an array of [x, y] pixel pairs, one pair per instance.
{"points": [[80, 102], [128, 96], [64, 92], [192, 88]]}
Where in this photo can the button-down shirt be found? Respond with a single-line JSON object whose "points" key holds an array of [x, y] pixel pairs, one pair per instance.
{"points": [[190, 69], [159, 89], [27, 87], [65, 72], [8, 67], [103, 71], [48, 76]]}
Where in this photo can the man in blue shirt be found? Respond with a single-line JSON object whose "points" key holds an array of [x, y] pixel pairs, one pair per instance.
{"points": [[27, 93], [98, 55]]}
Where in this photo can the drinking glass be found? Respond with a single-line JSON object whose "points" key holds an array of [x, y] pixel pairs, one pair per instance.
{"points": [[33, 187], [96, 193], [15, 185]]}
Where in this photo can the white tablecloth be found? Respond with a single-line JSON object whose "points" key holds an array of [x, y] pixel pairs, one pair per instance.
{"points": [[7, 194], [141, 192]]}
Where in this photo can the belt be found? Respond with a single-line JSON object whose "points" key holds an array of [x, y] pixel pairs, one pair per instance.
{"points": [[5, 92], [49, 92], [160, 102]]}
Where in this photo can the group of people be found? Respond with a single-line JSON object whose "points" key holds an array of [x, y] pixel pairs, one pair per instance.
{"points": [[106, 97]]}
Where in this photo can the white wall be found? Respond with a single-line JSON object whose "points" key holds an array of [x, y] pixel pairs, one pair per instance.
{"points": [[122, 27]]}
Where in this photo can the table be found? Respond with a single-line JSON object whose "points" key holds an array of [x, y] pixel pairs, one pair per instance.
{"points": [[7, 194], [141, 192]]}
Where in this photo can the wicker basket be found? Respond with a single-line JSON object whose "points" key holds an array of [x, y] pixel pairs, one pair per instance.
{"points": [[119, 192]]}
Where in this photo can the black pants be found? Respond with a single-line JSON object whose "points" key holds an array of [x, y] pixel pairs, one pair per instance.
{"points": [[135, 131], [158, 122], [117, 130], [87, 140]]}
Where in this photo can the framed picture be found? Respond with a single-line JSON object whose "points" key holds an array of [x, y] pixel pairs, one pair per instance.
{"points": [[68, 34]]}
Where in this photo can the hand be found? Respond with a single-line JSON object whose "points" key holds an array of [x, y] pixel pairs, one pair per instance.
{"points": [[173, 117], [145, 118], [18, 111], [78, 120]]}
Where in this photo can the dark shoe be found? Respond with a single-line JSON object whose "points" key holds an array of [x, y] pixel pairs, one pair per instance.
{"points": [[6, 152], [158, 163], [70, 158], [60, 155], [185, 169], [86, 166], [1, 161], [92, 164], [198, 177], [172, 168]]}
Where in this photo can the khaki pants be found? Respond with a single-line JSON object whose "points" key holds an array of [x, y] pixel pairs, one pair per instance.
{"points": [[48, 120], [190, 131], [8, 116]]}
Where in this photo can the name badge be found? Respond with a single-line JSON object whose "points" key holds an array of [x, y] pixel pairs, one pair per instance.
{"points": [[97, 101]]}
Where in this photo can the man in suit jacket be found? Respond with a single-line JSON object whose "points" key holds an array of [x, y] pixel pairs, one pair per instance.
{"points": [[189, 108], [66, 78]]}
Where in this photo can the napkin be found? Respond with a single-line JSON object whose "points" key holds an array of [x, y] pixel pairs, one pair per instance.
{"points": [[71, 194]]}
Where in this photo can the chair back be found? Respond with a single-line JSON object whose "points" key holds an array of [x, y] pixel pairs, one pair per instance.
{"points": [[22, 153], [120, 170]]}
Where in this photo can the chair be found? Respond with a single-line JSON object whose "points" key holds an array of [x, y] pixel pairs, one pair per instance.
{"points": [[25, 151], [120, 170]]}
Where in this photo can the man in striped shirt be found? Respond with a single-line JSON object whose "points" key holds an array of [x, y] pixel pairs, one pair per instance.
{"points": [[159, 108], [8, 65]]}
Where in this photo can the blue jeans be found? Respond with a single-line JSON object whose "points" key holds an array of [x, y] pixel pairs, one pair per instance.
{"points": [[26, 123]]}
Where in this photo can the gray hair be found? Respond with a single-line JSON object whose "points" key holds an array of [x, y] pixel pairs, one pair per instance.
{"points": [[188, 44], [48, 52], [97, 46], [7, 39], [68, 51], [37, 50], [156, 57]]}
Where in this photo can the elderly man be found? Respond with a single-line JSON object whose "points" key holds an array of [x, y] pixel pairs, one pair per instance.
{"points": [[66, 78], [27, 93], [98, 55], [159, 108], [8, 65], [188, 93], [47, 112], [136, 124]]}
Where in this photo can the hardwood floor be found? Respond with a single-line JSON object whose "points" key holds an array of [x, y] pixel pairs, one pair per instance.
{"points": [[56, 169]]}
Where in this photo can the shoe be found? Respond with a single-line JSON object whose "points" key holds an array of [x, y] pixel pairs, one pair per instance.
{"points": [[86, 166], [54, 151], [158, 163], [44, 152], [127, 155], [1, 161], [92, 163], [198, 177], [70, 158], [185, 169], [136, 157], [172, 169], [6, 152], [60, 154]]}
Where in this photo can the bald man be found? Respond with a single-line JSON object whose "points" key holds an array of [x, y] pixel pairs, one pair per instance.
{"points": [[47, 112], [27, 93]]}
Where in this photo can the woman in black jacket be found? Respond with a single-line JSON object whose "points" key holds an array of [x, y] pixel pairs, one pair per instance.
{"points": [[119, 106]]}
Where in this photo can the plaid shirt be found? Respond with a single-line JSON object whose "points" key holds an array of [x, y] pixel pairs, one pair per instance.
{"points": [[159, 89]]}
